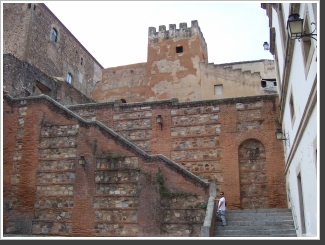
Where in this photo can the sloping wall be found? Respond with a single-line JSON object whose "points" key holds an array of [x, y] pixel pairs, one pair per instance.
{"points": [[120, 191]]}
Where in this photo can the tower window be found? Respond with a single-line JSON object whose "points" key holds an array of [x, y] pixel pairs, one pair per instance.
{"points": [[81, 61], [69, 78], [179, 49], [54, 35], [218, 89]]}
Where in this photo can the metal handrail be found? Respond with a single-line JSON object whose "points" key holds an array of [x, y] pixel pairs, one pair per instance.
{"points": [[293, 211]]}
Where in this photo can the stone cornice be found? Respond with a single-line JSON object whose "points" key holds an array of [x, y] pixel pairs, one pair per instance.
{"points": [[174, 102]]}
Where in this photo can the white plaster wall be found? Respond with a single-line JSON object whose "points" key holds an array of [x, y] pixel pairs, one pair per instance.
{"points": [[304, 162], [303, 159], [300, 87]]}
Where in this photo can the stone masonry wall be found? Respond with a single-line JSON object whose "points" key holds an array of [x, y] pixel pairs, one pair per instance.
{"points": [[27, 35], [123, 82], [120, 191], [21, 79], [207, 138]]}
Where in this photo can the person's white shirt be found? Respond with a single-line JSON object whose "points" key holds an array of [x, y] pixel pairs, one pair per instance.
{"points": [[222, 204]]}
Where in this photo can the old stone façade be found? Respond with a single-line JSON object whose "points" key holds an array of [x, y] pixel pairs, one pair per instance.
{"points": [[120, 191], [140, 178], [229, 141]]}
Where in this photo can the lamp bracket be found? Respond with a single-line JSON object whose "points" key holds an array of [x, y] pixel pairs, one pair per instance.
{"points": [[309, 34]]}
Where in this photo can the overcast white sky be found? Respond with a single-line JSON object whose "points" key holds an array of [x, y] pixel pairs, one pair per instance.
{"points": [[116, 32]]}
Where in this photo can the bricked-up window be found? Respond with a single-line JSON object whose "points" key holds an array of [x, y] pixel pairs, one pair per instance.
{"points": [[179, 49], [69, 78], [54, 35], [218, 89]]}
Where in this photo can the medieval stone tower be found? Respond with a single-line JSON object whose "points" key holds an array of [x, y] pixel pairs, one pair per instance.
{"points": [[177, 67], [173, 62]]}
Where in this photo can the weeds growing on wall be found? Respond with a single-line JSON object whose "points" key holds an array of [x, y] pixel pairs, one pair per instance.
{"points": [[165, 192], [115, 156]]}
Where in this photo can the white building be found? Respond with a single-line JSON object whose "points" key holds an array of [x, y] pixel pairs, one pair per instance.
{"points": [[297, 80]]}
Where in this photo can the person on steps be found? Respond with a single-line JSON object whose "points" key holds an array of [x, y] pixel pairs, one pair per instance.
{"points": [[221, 211]]}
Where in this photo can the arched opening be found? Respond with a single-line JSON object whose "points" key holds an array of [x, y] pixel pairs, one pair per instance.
{"points": [[253, 175], [123, 100]]}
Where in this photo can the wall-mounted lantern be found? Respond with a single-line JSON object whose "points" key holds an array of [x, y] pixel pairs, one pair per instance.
{"points": [[82, 162], [266, 46], [159, 120], [280, 136], [295, 27]]}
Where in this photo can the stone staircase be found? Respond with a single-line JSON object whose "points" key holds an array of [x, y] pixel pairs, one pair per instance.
{"points": [[257, 223]]}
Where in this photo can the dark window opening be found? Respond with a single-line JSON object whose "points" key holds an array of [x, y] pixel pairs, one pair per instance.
{"points": [[54, 35], [123, 100], [81, 61], [268, 83], [179, 49], [29, 5], [34, 7]]}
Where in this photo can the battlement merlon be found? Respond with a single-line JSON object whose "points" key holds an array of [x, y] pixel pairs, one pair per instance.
{"points": [[173, 32], [183, 31]]}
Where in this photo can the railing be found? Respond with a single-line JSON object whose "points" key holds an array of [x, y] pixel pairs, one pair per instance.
{"points": [[207, 230], [293, 211]]}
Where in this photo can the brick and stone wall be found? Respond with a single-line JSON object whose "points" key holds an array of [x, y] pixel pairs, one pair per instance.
{"points": [[215, 140], [116, 193]]}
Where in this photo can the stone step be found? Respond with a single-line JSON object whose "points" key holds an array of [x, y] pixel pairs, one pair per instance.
{"points": [[257, 223], [250, 233], [271, 210], [259, 218], [256, 235], [260, 224]]}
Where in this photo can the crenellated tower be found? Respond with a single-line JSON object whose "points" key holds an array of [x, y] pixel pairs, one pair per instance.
{"points": [[173, 62]]}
